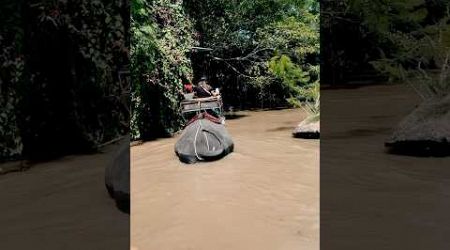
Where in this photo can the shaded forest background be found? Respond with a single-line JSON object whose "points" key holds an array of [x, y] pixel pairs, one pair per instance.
{"points": [[265, 54], [60, 90], [377, 41]]}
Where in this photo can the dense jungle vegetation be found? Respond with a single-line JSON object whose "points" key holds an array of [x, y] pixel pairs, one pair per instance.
{"points": [[60, 61], [60, 89], [405, 40], [264, 54]]}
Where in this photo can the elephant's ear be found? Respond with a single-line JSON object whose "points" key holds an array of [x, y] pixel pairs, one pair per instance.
{"points": [[215, 153]]}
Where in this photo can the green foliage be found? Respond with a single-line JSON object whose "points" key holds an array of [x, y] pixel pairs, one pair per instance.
{"points": [[264, 52], [59, 78], [162, 36], [10, 75], [247, 35], [299, 40], [418, 36], [312, 105], [291, 75], [11, 70]]}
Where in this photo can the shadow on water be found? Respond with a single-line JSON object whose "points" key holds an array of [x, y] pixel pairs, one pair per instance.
{"points": [[310, 135], [419, 149], [233, 116], [124, 205], [280, 129], [353, 133], [368, 132], [156, 137]]}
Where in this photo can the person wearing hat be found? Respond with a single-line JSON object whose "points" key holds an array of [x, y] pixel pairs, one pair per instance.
{"points": [[203, 89]]}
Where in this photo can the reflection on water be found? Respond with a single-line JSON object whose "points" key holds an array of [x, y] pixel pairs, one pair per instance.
{"points": [[265, 195]]}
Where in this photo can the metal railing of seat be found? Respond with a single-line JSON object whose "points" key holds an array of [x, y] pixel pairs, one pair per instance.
{"points": [[199, 105]]}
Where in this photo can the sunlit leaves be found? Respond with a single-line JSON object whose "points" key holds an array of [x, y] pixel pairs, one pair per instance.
{"points": [[418, 43], [162, 35], [247, 34], [290, 73]]}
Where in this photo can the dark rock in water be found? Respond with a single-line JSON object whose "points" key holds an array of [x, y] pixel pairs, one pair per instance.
{"points": [[308, 129], [424, 132], [117, 176], [203, 140]]}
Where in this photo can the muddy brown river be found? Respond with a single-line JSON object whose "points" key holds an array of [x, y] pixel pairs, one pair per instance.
{"points": [[265, 195], [62, 204], [371, 199]]}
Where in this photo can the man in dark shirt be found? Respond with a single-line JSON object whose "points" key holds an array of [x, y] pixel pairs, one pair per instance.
{"points": [[203, 89]]}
